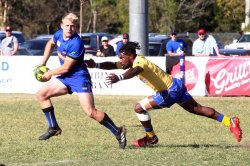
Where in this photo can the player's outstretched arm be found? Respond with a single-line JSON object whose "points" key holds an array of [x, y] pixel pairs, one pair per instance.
{"points": [[130, 73], [103, 65]]}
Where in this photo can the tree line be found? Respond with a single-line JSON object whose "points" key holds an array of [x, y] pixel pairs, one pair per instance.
{"points": [[34, 17]]}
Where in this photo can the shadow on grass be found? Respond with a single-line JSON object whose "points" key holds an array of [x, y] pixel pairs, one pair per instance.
{"points": [[190, 146], [138, 125]]}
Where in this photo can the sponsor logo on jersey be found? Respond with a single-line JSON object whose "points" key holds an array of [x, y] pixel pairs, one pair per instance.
{"points": [[58, 43]]}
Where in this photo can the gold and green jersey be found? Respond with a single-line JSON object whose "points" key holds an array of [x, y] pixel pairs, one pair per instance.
{"points": [[153, 76]]}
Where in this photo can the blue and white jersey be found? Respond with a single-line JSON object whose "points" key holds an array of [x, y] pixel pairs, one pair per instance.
{"points": [[118, 47], [73, 48], [174, 46]]}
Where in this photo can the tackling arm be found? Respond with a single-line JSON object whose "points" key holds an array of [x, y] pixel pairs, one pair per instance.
{"points": [[103, 65], [130, 73]]}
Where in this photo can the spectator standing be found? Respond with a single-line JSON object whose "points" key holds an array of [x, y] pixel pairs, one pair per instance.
{"points": [[9, 43], [205, 45], [125, 39], [175, 46], [106, 49]]}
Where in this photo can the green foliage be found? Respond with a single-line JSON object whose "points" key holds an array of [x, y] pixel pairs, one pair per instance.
{"points": [[122, 16], [108, 11], [162, 16], [44, 16], [229, 15], [184, 138], [195, 14]]}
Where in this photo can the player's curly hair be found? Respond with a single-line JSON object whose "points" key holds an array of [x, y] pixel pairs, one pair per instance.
{"points": [[129, 48]]}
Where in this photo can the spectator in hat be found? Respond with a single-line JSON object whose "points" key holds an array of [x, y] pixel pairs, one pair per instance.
{"points": [[175, 46], [9, 44], [105, 49], [205, 45], [125, 39]]}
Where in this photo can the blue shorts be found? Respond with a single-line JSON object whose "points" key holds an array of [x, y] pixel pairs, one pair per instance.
{"points": [[177, 93], [76, 84]]}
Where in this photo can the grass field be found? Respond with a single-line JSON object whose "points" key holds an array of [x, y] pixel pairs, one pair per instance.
{"points": [[184, 139]]}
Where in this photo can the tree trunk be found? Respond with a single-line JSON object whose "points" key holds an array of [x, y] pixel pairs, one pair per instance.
{"points": [[48, 25], [89, 24], [5, 12], [94, 12]]}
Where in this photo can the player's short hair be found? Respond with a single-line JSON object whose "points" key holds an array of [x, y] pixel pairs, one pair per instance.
{"points": [[129, 47], [71, 17]]}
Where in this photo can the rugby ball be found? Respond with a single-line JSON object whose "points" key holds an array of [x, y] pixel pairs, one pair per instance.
{"points": [[39, 71]]}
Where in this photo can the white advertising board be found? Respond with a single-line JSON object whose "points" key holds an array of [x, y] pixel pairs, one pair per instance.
{"points": [[16, 76]]}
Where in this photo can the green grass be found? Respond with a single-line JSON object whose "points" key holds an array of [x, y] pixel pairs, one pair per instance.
{"points": [[184, 139]]}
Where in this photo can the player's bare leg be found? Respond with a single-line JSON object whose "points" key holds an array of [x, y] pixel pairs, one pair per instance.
{"points": [[88, 107], [141, 110], [51, 89], [233, 123]]}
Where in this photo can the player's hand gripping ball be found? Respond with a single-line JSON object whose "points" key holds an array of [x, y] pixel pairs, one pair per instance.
{"points": [[39, 71]]}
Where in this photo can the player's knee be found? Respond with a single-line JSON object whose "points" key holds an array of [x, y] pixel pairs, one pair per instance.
{"points": [[90, 112], [40, 96], [138, 108]]}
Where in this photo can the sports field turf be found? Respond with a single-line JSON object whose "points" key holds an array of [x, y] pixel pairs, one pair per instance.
{"points": [[184, 139]]}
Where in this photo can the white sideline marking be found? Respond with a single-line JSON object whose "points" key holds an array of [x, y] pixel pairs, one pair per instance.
{"points": [[47, 163]]}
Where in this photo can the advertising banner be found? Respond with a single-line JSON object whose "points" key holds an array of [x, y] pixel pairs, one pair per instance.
{"points": [[228, 77], [203, 76], [213, 76], [194, 75]]}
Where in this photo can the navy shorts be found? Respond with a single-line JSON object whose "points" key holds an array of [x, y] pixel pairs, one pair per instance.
{"points": [[78, 84], [177, 93]]}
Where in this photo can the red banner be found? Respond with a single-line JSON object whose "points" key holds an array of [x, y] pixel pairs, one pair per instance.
{"points": [[228, 77], [215, 76], [191, 74]]}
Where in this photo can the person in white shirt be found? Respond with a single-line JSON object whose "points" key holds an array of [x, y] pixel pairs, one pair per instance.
{"points": [[205, 45], [9, 44]]}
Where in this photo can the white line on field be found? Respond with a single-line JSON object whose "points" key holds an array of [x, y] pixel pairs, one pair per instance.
{"points": [[47, 163]]}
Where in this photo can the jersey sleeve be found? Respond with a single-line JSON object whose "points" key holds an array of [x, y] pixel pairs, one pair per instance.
{"points": [[212, 40], [168, 46], [56, 36], [75, 49], [139, 61], [118, 47], [15, 41]]}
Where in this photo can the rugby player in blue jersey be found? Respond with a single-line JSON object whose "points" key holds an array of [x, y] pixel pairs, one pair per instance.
{"points": [[168, 91], [72, 76]]}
